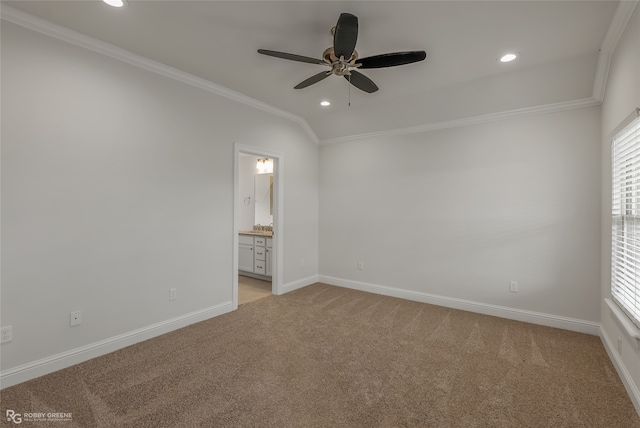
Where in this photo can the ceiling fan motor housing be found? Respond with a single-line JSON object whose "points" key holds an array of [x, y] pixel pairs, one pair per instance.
{"points": [[340, 67]]}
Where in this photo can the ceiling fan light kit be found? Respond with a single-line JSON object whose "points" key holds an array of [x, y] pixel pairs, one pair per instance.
{"points": [[342, 58]]}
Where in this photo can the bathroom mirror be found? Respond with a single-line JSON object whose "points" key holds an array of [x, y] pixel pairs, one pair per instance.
{"points": [[263, 197]]}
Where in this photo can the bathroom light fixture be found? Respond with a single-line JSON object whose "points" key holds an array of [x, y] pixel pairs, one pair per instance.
{"points": [[325, 103], [114, 3], [265, 166], [508, 57]]}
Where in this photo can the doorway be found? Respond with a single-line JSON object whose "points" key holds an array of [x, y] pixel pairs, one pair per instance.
{"points": [[258, 228]]}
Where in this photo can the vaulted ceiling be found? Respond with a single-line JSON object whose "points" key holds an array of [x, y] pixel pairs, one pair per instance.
{"points": [[558, 42]]}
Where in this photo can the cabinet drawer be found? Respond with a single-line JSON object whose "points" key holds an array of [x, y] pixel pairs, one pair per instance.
{"points": [[269, 242], [260, 267], [245, 239], [261, 253], [260, 241]]}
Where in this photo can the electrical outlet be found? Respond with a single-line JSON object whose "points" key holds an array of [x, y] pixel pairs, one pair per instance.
{"points": [[360, 265], [75, 318], [513, 286], [173, 294], [6, 334]]}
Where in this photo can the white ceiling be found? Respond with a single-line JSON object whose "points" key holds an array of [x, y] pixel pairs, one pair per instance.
{"points": [[217, 40]]}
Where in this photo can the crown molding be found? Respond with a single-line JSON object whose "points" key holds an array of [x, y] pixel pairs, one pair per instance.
{"points": [[10, 14], [616, 28], [472, 120], [618, 24]]}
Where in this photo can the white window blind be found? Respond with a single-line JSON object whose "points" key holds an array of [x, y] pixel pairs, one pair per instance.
{"points": [[625, 212]]}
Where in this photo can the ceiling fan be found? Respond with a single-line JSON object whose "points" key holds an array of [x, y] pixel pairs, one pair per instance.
{"points": [[342, 58]]}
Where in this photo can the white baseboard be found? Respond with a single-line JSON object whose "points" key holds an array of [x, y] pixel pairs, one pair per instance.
{"points": [[572, 324], [63, 360], [627, 380], [299, 283]]}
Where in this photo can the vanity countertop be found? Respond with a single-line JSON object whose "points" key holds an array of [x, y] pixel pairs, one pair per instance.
{"points": [[256, 232]]}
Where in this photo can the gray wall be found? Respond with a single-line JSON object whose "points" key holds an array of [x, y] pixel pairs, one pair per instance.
{"points": [[117, 185], [459, 213], [622, 97]]}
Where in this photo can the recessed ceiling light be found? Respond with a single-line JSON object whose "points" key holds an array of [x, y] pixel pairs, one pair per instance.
{"points": [[325, 103], [114, 3], [508, 57]]}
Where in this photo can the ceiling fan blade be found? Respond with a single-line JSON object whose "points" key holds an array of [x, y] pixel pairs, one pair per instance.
{"points": [[392, 59], [313, 79], [345, 35], [291, 57], [362, 82]]}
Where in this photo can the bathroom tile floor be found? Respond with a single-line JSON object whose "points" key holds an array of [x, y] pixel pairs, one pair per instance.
{"points": [[250, 289]]}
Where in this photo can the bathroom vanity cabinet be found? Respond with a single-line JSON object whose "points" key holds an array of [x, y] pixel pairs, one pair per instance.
{"points": [[255, 255]]}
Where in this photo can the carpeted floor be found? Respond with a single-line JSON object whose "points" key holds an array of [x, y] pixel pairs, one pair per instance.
{"points": [[324, 356]]}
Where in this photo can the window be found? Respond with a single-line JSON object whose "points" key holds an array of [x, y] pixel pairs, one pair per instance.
{"points": [[625, 221]]}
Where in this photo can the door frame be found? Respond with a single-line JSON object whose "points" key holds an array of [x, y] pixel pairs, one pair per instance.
{"points": [[278, 210]]}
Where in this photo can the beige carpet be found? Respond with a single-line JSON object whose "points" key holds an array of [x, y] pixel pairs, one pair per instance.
{"points": [[324, 356]]}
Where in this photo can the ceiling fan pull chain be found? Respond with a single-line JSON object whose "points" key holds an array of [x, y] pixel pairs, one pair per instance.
{"points": [[349, 90]]}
